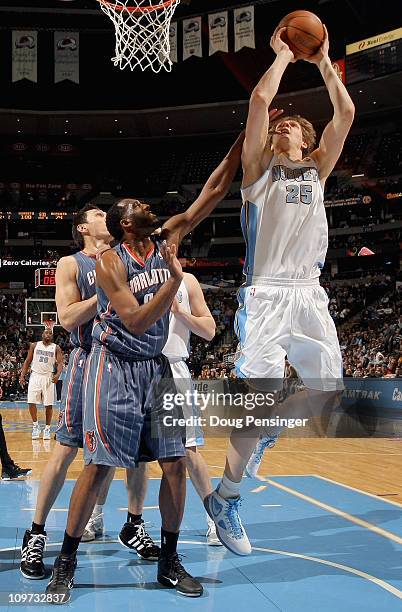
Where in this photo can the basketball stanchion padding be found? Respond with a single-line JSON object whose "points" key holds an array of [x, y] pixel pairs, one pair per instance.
{"points": [[142, 32]]}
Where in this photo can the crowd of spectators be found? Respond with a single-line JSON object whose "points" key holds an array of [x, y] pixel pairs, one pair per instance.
{"points": [[347, 299], [372, 345], [14, 343]]}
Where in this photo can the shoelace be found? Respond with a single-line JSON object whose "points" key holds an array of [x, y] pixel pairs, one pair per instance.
{"points": [[62, 570], [34, 549], [176, 566], [13, 468], [146, 539], [262, 445], [92, 521], [232, 515]]}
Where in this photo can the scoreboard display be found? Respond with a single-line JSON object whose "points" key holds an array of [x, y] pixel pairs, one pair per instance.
{"points": [[33, 215], [45, 277], [375, 57]]}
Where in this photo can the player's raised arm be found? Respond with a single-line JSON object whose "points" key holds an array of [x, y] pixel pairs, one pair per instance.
{"points": [[212, 193], [71, 309], [255, 157], [112, 278], [200, 321], [334, 135], [27, 363]]}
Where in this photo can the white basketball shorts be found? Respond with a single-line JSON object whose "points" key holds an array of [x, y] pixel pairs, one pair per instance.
{"points": [[287, 317], [41, 389], [183, 382]]}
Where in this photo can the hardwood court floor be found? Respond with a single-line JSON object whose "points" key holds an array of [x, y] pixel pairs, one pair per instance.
{"points": [[370, 464], [325, 522]]}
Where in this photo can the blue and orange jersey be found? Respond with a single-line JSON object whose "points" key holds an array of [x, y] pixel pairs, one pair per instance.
{"points": [[144, 278], [86, 282]]}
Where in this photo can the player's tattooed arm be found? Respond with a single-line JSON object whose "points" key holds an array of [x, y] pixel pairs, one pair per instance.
{"points": [[212, 193], [71, 309], [111, 276], [27, 363]]}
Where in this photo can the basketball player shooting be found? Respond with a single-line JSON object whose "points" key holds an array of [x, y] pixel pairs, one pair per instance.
{"points": [[282, 308], [136, 283]]}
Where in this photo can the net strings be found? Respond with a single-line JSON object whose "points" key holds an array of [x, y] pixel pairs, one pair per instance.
{"points": [[142, 38]]}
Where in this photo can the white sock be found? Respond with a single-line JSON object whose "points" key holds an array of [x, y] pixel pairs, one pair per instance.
{"points": [[98, 509], [35, 423], [47, 426], [228, 489]]}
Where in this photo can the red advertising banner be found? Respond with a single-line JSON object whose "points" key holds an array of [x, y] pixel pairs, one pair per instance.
{"points": [[340, 69]]}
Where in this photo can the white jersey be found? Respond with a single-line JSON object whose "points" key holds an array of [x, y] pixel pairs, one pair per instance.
{"points": [[284, 223], [178, 341], [44, 358]]}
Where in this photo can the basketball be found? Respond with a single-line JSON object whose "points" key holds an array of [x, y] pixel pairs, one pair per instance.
{"points": [[304, 33]]}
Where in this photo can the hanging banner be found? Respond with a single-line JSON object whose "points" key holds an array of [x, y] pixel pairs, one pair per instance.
{"points": [[66, 57], [24, 55], [173, 41], [218, 32], [192, 37], [244, 27]]}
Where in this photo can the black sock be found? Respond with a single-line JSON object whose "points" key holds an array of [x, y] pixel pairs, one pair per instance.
{"points": [[169, 542], [38, 528], [70, 545], [133, 518]]}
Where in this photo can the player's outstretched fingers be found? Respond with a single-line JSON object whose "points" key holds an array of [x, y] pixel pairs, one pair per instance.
{"points": [[274, 113], [165, 251]]}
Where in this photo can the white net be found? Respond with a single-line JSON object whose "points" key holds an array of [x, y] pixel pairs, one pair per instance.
{"points": [[142, 32]]}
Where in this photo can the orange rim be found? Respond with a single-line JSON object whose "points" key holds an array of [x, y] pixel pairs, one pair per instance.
{"points": [[137, 9]]}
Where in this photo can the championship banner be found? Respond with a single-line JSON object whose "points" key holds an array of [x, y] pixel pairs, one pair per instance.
{"points": [[24, 55], [173, 41], [374, 41], [339, 67], [244, 27], [192, 37], [66, 57], [218, 32]]}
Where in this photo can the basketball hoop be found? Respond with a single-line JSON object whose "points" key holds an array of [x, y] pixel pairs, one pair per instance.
{"points": [[49, 324], [142, 32]]}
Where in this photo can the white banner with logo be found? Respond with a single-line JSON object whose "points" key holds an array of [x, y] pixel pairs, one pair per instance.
{"points": [[192, 38], [173, 41], [244, 27], [66, 57], [218, 32], [25, 55]]}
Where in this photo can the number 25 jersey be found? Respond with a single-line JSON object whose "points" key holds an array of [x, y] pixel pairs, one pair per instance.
{"points": [[284, 223]]}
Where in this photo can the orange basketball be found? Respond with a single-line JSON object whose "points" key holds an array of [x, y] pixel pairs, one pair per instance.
{"points": [[304, 33]]}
